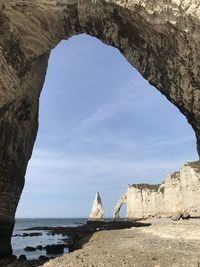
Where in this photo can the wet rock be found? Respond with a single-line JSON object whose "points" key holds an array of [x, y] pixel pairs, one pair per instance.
{"points": [[43, 258], [54, 249], [32, 234], [22, 257], [31, 249], [40, 247], [16, 235]]}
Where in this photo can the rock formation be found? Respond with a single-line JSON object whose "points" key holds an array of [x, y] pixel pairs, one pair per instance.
{"points": [[178, 196], [121, 201], [159, 38], [97, 212]]}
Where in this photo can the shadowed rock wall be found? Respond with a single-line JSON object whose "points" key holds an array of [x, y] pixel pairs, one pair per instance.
{"points": [[159, 38]]}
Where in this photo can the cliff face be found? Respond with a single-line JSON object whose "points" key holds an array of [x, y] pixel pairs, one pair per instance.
{"points": [[160, 38], [121, 201], [179, 193]]}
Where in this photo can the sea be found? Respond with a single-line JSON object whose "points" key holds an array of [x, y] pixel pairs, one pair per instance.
{"points": [[19, 242]]}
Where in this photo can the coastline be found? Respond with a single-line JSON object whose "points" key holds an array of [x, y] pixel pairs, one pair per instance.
{"points": [[73, 238], [163, 243]]}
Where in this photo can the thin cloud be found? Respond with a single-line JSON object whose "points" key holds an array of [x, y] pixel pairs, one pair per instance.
{"points": [[52, 161], [120, 131]]}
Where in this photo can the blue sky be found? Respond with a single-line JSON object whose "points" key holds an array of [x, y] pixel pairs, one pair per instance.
{"points": [[102, 127]]}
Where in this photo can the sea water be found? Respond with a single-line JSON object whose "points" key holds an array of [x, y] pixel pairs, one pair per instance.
{"points": [[19, 242]]}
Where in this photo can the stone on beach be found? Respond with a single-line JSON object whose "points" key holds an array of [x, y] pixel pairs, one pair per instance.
{"points": [[31, 249]]}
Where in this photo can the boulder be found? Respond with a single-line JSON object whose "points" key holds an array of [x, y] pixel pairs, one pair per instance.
{"points": [[54, 249], [22, 257], [39, 247], [30, 249]]}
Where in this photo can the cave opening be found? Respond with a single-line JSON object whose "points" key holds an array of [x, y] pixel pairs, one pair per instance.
{"points": [[102, 126]]}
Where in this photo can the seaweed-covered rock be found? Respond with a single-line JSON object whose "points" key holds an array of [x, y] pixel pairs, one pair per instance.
{"points": [[55, 249], [30, 249]]}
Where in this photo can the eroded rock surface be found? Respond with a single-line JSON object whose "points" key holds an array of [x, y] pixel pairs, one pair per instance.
{"points": [[159, 38], [121, 201], [178, 196], [97, 212]]}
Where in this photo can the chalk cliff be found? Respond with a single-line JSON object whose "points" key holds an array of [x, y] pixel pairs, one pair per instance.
{"points": [[97, 212], [121, 201], [161, 39], [178, 194]]}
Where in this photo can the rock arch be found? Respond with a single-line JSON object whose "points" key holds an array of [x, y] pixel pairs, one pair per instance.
{"points": [[117, 208], [159, 38]]}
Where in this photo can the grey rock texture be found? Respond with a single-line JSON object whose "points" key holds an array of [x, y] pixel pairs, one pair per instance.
{"points": [[159, 38], [178, 196]]}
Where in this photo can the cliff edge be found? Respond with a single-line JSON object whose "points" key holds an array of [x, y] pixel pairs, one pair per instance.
{"points": [[178, 194]]}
